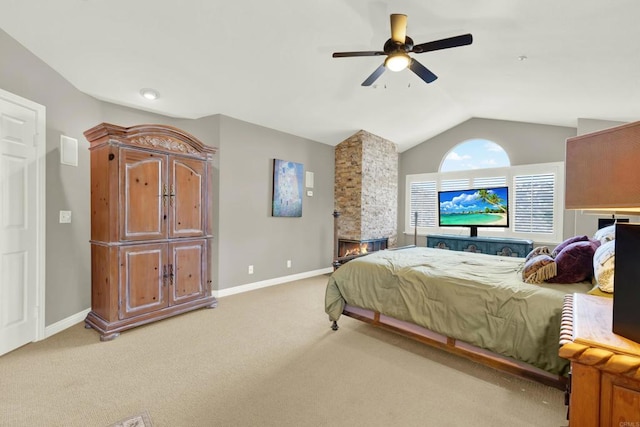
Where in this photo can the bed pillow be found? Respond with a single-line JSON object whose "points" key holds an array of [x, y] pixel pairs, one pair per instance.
{"points": [[574, 263], [606, 234], [566, 243], [603, 265], [540, 250], [539, 268]]}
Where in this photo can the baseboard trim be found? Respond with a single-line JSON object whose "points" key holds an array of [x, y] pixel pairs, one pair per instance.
{"points": [[63, 324], [74, 319], [271, 282]]}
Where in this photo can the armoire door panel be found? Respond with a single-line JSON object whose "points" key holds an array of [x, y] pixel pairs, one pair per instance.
{"points": [[143, 279], [145, 195], [186, 202], [187, 260]]}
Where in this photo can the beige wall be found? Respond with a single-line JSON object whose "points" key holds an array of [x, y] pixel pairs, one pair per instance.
{"points": [[248, 234]]}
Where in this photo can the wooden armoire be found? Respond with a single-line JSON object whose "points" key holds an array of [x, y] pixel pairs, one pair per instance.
{"points": [[151, 225]]}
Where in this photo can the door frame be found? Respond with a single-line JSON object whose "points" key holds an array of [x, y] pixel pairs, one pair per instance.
{"points": [[39, 142]]}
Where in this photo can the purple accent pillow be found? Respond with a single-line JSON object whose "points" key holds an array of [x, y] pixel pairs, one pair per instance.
{"points": [[566, 243], [574, 263]]}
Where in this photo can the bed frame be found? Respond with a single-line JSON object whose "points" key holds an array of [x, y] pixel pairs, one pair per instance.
{"points": [[434, 339], [454, 346]]}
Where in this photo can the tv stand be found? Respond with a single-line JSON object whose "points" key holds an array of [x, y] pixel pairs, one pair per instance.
{"points": [[486, 245]]}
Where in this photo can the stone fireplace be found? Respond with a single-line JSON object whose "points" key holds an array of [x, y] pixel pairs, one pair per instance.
{"points": [[366, 193]]}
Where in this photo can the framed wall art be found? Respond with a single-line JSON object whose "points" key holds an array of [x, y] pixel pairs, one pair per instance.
{"points": [[287, 188]]}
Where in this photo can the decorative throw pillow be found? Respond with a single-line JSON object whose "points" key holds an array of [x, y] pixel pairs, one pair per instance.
{"points": [[566, 243], [540, 250], [574, 263], [603, 265], [538, 269], [606, 234]]}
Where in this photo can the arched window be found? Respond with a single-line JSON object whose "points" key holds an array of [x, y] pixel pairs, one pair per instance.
{"points": [[536, 191], [475, 154]]}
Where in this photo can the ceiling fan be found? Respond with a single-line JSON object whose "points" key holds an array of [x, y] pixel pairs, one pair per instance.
{"points": [[398, 47]]}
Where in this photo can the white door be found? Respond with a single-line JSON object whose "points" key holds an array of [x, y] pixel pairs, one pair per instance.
{"points": [[21, 221]]}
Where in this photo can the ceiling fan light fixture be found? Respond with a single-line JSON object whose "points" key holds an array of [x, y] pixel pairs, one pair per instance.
{"points": [[397, 61], [398, 48]]}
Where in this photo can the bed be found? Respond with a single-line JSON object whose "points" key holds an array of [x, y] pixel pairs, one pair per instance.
{"points": [[473, 304]]}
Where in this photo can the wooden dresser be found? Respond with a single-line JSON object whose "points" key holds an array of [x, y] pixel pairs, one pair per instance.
{"points": [[605, 367], [151, 222]]}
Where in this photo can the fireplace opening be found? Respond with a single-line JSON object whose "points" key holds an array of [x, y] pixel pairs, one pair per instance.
{"points": [[349, 248]]}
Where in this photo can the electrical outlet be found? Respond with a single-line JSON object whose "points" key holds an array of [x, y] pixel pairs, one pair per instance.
{"points": [[251, 269], [288, 263]]}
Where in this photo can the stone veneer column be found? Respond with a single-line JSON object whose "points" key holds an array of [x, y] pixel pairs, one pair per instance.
{"points": [[366, 188]]}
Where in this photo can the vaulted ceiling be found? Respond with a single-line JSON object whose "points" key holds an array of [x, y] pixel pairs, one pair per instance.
{"points": [[269, 62]]}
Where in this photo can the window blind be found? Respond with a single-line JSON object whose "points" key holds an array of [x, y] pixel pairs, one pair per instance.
{"points": [[454, 184], [536, 193], [491, 181], [534, 200], [423, 196]]}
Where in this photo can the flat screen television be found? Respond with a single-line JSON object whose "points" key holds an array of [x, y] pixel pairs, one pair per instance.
{"points": [[473, 208]]}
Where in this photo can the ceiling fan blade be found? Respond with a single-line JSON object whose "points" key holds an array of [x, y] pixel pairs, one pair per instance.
{"points": [[374, 76], [456, 41], [364, 53], [422, 71], [398, 27]]}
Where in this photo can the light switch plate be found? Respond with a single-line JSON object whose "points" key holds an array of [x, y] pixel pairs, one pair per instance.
{"points": [[65, 217]]}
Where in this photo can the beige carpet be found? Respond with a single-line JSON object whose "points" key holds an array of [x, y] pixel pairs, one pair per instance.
{"points": [[263, 358]]}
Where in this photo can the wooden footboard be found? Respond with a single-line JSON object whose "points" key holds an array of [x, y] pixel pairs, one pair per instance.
{"points": [[455, 346]]}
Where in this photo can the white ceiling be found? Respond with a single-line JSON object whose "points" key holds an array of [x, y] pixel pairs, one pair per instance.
{"points": [[269, 62]]}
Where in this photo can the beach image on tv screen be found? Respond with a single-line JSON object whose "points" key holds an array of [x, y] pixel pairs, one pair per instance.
{"points": [[482, 207]]}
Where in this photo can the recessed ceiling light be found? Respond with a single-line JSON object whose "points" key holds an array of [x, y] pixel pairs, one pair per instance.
{"points": [[149, 94]]}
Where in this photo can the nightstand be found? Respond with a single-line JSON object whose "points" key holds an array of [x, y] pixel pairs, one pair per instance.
{"points": [[605, 367]]}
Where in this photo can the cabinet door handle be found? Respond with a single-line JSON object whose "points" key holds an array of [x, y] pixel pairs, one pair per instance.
{"points": [[171, 274], [164, 273], [172, 195], [164, 194]]}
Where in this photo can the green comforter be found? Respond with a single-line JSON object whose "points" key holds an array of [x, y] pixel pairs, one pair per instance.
{"points": [[477, 298]]}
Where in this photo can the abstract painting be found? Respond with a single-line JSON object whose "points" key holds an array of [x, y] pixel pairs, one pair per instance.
{"points": [[287, 188]]}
